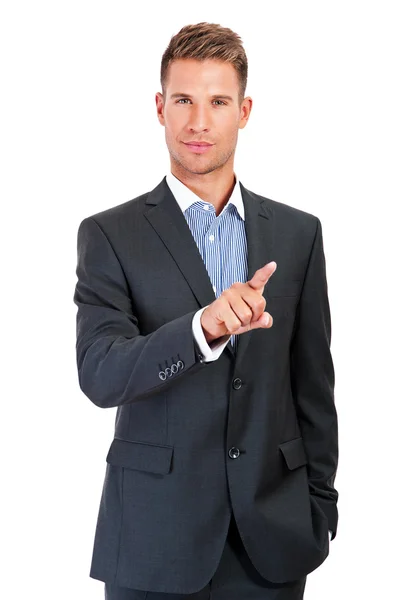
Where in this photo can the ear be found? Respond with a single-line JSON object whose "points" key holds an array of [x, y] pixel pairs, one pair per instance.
{"points": [[159, 100], [246, 107]]}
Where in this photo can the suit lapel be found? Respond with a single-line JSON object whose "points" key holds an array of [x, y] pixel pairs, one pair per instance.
{"points": [[260, 241], [167, 219]]}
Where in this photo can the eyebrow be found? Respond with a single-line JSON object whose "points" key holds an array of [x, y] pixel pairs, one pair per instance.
{"points": [[223, 96]]}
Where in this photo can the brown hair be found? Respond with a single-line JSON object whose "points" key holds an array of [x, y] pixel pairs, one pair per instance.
{"points": [[205, 41]]}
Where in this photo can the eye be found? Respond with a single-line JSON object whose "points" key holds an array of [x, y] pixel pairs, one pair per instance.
{"points": [[183, 100]]}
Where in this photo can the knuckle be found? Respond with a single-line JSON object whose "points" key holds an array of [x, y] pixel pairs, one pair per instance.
{"points": [[234, 326], [261, 303], [247, 316]]}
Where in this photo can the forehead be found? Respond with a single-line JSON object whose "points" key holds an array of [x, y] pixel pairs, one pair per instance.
{"points": [[189, 74]]}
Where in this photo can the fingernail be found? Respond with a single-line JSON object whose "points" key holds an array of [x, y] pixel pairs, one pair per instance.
{"points": [[266, 319]]}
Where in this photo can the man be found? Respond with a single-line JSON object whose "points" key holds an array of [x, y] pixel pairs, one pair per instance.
{"points": [[203, 316]]}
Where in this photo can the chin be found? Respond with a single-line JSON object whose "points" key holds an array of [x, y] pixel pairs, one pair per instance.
{"points": [[192, 165], [202, 168]]}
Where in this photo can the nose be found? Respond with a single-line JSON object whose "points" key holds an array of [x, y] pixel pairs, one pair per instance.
{"points": [[200, 118]]}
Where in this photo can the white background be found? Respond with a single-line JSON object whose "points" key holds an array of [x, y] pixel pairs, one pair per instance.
{"points": [[79, 134]]}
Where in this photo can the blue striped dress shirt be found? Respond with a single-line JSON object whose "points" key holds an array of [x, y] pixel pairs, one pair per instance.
{"points": [[222, 243]]}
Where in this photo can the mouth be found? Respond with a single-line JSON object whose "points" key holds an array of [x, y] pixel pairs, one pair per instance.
{"points": [[198, 147]]}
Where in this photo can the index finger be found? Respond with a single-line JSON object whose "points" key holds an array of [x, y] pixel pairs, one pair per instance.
{"points": [[262, 276]]}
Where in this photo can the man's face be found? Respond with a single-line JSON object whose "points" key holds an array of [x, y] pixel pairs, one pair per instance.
{"points": [[195, 109]]}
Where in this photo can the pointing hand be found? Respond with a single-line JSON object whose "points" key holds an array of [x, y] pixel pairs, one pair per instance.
{"points": [[239, 308]]}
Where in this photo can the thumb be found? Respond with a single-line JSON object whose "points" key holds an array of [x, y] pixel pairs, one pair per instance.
{"points": [[265, 321]]}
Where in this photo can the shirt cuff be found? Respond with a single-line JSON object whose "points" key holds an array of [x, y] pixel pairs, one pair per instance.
{"points": [[217, 346], [330, 532]]}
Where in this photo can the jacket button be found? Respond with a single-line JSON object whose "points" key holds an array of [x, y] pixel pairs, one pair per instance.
{"points": [[237, 383], [234, 452]]}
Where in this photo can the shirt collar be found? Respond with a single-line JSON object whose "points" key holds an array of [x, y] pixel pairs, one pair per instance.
{"points": [[186, 197]]}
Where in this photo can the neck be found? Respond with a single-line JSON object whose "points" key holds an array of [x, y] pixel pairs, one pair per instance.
{"points": [[215, 187]]}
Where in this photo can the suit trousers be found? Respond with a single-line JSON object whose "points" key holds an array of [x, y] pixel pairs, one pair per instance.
{"points": [[235, 579]]}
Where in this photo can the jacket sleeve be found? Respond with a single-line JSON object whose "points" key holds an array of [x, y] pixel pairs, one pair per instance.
{"points": [[116, 364], [312, 382]]}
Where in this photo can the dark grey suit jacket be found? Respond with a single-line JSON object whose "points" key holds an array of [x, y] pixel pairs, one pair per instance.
{"points": [[254, 432]]}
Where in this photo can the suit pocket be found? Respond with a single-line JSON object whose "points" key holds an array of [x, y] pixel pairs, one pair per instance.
{"points": [[294, 453], [281, 289], [140, 456]]}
